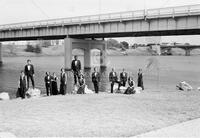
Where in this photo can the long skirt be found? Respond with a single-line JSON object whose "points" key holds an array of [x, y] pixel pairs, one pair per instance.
{"points": [[140, 83], [130, 90], [81, 90], [54, 88], [21, 92], [63, 89]]}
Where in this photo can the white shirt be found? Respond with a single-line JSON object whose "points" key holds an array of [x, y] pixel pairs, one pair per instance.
{"points": [[29, 67], [76, 63], [113, 73]]}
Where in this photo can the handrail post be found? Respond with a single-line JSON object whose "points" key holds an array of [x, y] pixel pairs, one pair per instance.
{"points": [[159, 13], [133, 14], [99, 17], [173, 12], [189, 8], [145, 12]]}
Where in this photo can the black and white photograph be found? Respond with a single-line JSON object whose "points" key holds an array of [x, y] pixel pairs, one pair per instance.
{"points": [[99, 68]]}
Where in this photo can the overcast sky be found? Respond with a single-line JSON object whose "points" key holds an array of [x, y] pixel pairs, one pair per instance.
{"points": [[13, 11]]}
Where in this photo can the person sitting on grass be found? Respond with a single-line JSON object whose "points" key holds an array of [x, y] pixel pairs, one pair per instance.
{"points": [[131, 88], [81, 89]]}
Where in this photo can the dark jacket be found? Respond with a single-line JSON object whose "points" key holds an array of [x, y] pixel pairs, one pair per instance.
{"points": [[95, 78], [76, 68], [113, 78], [63, 78], [29, 72], [47, 79], [122, 77]]}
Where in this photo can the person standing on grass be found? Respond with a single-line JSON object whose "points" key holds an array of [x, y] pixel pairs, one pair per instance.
{"points": [[140, 79], [29, 72], [47, 80], [76, 67], [22, 85], [63, 82], [96, 80], [54, 84], [123, 78], [113, 79]]}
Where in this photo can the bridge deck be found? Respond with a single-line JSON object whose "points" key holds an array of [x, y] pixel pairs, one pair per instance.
{"points": [[120, 16]]}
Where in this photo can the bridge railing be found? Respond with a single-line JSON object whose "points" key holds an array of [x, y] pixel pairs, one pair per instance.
{"points": [[120, 16]]}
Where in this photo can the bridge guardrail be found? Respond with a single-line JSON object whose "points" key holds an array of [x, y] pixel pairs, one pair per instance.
{"points": [[140, 14]]}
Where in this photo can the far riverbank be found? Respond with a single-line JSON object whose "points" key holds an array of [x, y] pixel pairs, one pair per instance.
{"points": [[58, 50]]}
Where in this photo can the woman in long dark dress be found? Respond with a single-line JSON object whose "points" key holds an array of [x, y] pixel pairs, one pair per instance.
{"points": [[81, 89], [54, 84], [140, 79], [22, 85]]}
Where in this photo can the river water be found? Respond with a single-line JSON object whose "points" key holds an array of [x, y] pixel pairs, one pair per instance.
{"points": [[161, 73]]}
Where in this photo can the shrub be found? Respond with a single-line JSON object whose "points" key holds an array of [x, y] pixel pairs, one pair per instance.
{"points": [[31, 48], [38, 49]]}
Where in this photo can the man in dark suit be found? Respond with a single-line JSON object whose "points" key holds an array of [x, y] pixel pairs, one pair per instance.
{"points": [[96, 80], [113, 79], [123, 78], [63, 82], [76, 67], [47, 80], [29, 72]]}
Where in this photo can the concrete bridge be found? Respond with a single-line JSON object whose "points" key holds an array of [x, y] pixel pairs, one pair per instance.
{"points": [[187, 48], [81, 32]]}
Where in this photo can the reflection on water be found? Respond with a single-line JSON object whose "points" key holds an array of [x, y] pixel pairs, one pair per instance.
{"points": [[163, 73]]}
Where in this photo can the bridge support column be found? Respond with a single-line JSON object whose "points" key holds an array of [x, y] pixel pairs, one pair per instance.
{"points": [[187, 52], [103, 56], [1, 54], [68, 60], [87, 58]]}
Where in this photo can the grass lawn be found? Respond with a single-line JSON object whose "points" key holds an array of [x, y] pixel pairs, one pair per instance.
{"points": [[98, 115]]}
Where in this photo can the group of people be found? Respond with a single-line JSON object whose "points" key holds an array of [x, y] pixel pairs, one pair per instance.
{"points": [[79, 80], [113, 78], [51, 83], [25, 76]]}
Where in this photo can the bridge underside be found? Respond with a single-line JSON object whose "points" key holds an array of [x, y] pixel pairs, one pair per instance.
{"points": [[108, 35], [166, 26]]}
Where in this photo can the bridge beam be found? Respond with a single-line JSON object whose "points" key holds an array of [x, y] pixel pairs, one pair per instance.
{"points": [[1, 54]]}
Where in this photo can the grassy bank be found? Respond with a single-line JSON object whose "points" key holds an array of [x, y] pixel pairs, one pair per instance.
{"points": [[98, 115]]}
